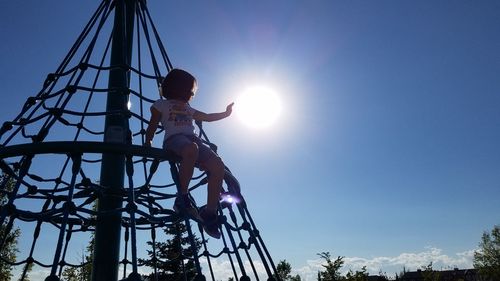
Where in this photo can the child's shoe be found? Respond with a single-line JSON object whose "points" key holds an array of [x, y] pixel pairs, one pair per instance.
{"points": [[210, 223], [184, 206]]}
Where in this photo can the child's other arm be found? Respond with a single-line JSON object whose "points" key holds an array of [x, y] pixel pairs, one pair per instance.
{"points": [[153, 124], [209, 117]]}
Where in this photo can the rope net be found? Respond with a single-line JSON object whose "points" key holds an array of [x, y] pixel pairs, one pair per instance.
{"points": [[50, 158]]}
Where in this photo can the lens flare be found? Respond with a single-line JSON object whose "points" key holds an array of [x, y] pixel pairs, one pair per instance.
{"points": [[228, 198]]}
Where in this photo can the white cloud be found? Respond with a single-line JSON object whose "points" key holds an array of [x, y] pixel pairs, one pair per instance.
{"points": [[392, 265], [411, 261], [222, 269], [37, 274]]}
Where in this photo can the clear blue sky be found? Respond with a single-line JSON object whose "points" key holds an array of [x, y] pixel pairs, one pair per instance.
{"points": [[389, 141]]}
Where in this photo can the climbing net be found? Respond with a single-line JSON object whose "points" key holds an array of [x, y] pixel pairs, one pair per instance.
{"points": [[51, 155]]}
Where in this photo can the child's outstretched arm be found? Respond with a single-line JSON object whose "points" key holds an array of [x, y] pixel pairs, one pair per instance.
{"points": [[153, 124], [209, 117]]}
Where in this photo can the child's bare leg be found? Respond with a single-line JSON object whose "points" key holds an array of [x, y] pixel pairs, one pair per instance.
{"points": [[189, 155], [215, 167]]}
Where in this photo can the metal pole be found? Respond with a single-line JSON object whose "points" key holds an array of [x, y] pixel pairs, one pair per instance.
{"points": [[108, 225]]}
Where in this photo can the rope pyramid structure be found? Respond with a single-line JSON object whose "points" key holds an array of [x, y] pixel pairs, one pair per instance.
{"points": [[67, 178]]}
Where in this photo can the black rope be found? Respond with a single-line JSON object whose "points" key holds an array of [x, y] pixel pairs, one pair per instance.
{"points": [[166, 59], [103, 6], [140, 16]]}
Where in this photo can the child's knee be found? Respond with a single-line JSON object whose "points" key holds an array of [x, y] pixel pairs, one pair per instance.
{"points": [[216, 166]]}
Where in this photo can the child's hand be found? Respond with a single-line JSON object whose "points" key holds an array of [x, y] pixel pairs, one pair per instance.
{"points": [[229, 109]]}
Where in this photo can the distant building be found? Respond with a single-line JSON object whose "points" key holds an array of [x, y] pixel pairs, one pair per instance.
{"points": [[445, 275], [376, 278]]}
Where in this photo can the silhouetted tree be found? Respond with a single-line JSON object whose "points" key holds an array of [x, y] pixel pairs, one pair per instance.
{"points": [[8, 241], [383, 275], [401, 273], [332, 268], [71, 274], [357, 275], [429, 274], [8, 252], [283, 270], [173, 260], [84, 271], [487, 258]]}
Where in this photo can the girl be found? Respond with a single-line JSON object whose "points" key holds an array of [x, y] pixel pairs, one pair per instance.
{"points": [[176, 117]]}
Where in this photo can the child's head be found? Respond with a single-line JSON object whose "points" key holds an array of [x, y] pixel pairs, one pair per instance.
{"points": [[178, 85]]}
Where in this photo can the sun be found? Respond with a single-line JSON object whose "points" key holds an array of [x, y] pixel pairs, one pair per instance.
{"points": [[258, 107]]}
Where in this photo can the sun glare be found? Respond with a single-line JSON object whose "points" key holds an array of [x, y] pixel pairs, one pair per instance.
{"points": [[258, 107]]}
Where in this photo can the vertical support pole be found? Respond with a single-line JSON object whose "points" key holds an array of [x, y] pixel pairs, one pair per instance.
{"points": [[108, 226]]}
